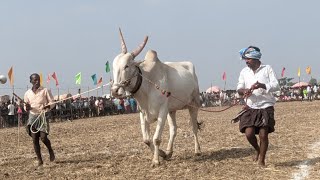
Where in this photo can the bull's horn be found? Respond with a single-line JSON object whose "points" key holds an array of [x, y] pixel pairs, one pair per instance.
{"points": [[123, 44], [136, 52]]}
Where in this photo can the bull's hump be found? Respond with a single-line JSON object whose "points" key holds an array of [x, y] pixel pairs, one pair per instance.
{"points": [[151, 56]]}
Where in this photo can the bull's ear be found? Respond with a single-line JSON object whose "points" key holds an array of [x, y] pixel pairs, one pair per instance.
{"points": [[123, 44], [136, 52]]}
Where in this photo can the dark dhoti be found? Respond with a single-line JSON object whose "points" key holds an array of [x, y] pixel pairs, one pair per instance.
{"points": [[256, 118]]}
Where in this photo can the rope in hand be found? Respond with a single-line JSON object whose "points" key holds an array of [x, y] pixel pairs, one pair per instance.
{"points": [[42, 116], [41, 120]]}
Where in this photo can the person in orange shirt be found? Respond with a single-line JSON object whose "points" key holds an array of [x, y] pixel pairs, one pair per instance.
{"points": [[37, 102]]}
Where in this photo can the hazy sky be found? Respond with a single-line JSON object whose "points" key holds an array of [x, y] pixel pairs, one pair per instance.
{"points": [[68, 37]]}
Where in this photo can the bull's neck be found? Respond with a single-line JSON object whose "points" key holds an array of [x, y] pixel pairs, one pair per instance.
{"points": [[141, 94], [138, 82]]}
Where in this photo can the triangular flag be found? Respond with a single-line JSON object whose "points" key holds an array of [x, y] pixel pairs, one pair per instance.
{"points": [[107, 67], [100, 81], [78, 78], [299, 72], [224, 76], [41, 79], [94, 79], [308, 70], [54, 76], [282, 73], [10, 75], [48, 79]]}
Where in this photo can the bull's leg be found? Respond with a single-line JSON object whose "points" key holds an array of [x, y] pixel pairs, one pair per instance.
{"points": [[173, 132], [145, 128], [163, 112], [195, 127]]}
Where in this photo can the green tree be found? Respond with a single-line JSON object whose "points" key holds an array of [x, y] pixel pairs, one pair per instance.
{"points": [[313, 81], [285, 81]]}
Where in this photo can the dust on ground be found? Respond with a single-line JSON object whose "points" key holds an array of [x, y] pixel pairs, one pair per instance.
{"points": [[111, 147]]}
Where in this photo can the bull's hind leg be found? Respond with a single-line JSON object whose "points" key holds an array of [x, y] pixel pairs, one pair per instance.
{"points": [[195, 127], [173, 132]]}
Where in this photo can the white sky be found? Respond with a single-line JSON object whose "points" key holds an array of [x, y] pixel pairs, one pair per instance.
{"points": [[68, 37]]}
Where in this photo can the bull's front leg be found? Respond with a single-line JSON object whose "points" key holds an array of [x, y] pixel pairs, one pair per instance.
{"points": [[145, 128], [157, 135]]}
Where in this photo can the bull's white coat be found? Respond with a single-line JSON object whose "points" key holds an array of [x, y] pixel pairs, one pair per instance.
{"points": [[179, 78]]}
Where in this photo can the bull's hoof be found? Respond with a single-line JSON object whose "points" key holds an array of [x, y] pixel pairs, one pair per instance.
{"points": [[198, 153], [168, 155], [162, 154], [155, 164]]}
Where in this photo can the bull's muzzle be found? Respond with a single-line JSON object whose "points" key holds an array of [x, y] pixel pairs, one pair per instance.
{"points": [[117, 91]]}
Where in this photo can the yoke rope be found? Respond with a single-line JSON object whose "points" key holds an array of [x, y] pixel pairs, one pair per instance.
{"points": [[167, 93]]}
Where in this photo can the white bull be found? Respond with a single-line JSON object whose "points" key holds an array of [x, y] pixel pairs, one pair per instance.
{"points": [[151, 83]]}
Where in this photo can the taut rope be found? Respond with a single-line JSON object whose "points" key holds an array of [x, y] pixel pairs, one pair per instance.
{"points": [[43, 112], [167, 93]]}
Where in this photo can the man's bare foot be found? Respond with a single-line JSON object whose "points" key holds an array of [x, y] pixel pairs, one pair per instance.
{"points": [[255, 157], [40, 162], [52, 156], [262, 164]]}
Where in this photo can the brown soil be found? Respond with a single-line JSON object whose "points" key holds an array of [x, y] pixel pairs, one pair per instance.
{"points": [[111, 147]]}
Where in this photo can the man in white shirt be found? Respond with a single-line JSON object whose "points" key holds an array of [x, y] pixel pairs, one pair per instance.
{"points": [[257, 82], [309, 93], [315, 90], [11, 114], [38, 100]]}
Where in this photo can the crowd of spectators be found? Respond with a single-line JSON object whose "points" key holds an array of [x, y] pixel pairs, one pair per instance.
{"points": [[13, 112]]}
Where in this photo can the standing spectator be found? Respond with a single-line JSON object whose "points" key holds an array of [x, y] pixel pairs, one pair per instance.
{"points": [[133, 104], [309, 92], [305, 93], [11, 114], [126, 104], [20, 112], [315, 90], [120, 109], [257, 81], [38, 99], [101, 107]]}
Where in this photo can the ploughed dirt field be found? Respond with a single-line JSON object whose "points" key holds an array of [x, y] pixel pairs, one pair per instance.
{"points": [[111, 147]]}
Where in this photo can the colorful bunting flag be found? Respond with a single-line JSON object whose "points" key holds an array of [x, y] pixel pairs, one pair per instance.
{"points": [[94, 79], [41, 79], [282, 73], [10, 75], [100, 81], [48, 79], [78, 78], [308, 70], [107, 67], [54, 76], [224, 76]]}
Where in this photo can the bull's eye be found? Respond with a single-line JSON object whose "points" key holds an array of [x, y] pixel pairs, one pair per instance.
{"points": [[126, 66]]}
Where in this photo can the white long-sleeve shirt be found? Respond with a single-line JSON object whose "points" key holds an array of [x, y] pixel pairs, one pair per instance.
{"points": [[260, 98]]}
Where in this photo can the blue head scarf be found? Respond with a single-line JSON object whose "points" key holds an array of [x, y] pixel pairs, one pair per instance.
{"points": [[250, 52]]}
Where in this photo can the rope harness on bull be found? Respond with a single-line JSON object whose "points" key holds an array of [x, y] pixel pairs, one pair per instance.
{"points": [[169, 94]]}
